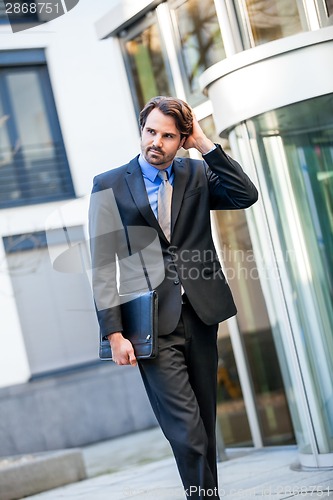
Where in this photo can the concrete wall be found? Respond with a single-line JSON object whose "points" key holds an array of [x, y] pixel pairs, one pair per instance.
{"points": [[73, 409]]}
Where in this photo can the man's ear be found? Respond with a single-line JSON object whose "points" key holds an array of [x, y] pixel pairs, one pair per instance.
{"points": [[182, 142]]}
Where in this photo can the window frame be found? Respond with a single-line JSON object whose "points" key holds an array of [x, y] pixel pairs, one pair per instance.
{"points": [[173, 5], [323, 14], [34, 59]]}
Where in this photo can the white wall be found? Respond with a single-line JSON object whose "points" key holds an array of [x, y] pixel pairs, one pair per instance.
{"points": [[14, 366], [99, 130]]}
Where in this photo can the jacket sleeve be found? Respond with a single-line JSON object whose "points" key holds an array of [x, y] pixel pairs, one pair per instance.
{"points": [[103, 233], [229, 186]]}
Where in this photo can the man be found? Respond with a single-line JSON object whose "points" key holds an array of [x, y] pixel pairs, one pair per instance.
{"points": [[193, 296]]}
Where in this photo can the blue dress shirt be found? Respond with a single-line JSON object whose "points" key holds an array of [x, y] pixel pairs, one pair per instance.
{"points": [[152, 181]]}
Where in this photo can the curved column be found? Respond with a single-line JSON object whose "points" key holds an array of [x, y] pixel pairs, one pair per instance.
{"points": [[270, 76]]}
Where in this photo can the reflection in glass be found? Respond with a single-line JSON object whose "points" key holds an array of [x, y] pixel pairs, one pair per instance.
{"points": [[147, 65], [295, 146], [231, 411], [6, 152], [271, 19], [200, 42], [33, 127], [254, 325]]}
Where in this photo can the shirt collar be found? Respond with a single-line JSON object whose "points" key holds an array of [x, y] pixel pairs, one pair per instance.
{"points": [[149, 170]]}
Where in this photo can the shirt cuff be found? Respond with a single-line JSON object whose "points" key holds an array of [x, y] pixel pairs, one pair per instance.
{"points": [[212, 149]]}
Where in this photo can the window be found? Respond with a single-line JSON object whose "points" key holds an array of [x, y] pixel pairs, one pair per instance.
{"points": [[50, 332], [33, 163], [146, 62], [191, 29], [263, 22], [200, 42]]}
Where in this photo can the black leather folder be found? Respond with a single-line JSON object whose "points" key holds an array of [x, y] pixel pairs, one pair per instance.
{"points": [[139, 317]]}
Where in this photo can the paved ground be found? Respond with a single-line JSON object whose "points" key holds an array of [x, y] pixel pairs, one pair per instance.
{"points": [[141, 467]]}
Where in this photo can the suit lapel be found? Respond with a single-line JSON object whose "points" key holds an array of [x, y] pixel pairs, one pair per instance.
{"points": [[179, 185], [138, 191]]}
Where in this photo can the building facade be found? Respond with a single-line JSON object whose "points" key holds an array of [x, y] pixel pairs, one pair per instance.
{"points": [[63, 116], [259, 77]]}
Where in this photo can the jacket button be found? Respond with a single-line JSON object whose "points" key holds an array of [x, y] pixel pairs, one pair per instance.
{"points": [[176, 282]]}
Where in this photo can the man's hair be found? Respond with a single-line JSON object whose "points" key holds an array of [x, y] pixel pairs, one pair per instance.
{"points": [[171, 106]]}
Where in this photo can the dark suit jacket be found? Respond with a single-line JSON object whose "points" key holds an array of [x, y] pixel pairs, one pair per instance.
{"points": [[190, 259]]}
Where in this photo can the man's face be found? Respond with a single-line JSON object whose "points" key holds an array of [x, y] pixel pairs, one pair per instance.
{"points": [[160, 139]]}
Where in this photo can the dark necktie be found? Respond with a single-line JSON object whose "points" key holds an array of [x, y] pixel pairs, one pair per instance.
{"points": [[164, 204]]}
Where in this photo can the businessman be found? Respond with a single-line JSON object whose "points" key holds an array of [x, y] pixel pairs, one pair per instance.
{"points": [[173, 197]]}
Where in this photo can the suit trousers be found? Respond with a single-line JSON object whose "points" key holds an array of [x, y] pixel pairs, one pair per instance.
{"points": [[181, 383]]}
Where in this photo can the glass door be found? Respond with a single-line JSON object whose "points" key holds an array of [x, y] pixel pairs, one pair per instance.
{"points": [[293, 152], [252, 405], [255, 332]]}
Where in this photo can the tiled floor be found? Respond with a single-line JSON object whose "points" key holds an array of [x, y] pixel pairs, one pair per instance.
{"points": [[263, 474]]}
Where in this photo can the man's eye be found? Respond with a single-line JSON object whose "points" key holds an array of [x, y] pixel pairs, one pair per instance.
{"points": [[150, 131]]}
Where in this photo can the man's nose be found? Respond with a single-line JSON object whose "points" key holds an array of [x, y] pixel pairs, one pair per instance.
{"points": [[158, 140]]}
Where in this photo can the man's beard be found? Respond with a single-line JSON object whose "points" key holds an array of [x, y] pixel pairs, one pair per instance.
{"points": [[155, 156]]}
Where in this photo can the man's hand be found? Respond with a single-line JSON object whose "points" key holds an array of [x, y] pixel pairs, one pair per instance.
{"points": [[198, 139], [122, 350]]}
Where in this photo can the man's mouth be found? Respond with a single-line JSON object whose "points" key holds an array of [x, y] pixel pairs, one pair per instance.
{"points": [[155, 151]]}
